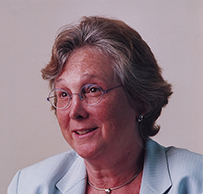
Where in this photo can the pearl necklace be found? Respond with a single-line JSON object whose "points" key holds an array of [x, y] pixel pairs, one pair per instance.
{"points": [[108, 191]]}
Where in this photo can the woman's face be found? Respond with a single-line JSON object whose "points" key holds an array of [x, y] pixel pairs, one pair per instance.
{"points": [[106, 128]]}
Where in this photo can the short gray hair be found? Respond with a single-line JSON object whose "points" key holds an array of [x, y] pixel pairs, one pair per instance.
{"points": [[133, 62]]}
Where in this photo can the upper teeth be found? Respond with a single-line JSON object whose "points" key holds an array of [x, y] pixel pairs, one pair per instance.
{"points": [[82, 132]]}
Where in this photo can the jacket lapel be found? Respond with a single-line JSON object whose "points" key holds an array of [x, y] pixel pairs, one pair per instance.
{"points": [[74, 180], [156, 177]]}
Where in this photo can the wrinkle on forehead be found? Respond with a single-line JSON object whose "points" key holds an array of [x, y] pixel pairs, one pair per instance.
{"points": [[85, 58]]}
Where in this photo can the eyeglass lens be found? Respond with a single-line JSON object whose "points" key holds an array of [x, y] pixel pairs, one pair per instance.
{"points": [[90, 93]]}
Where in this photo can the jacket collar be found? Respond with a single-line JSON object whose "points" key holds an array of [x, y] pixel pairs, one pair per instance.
{"points": [[74, 181], [156, 176]]}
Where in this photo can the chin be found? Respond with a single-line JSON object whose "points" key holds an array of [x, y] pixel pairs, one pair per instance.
{"points": [[87, 151]]}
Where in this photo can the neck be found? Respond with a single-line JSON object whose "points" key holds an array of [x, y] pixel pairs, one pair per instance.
{"points": [[108, 190], [108, 172]]}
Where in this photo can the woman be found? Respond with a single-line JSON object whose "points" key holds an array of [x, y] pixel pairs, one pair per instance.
{"points": [[107, 92]]}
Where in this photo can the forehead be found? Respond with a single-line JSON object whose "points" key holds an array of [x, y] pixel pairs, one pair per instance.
{"points": [[88, 62]]}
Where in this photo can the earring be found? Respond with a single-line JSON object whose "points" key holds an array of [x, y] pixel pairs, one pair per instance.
{"points": [[140, 118]]}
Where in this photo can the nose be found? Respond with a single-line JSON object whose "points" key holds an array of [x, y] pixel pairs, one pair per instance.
{"points": [[77, 109]]}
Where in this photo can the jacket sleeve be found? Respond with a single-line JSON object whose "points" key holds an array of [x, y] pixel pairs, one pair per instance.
{"points": [[13, 187]]}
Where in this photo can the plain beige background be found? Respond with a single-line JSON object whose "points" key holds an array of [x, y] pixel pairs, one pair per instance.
{"points": [[28, 129]]}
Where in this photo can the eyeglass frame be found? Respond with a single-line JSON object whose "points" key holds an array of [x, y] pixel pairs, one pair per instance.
{"points": [[79, 94]]}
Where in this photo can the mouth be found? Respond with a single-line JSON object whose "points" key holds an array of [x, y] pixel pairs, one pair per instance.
{"points": [[85, 131]]}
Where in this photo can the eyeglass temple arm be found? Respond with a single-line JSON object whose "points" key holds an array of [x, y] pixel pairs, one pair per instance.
{"points": [[105, 91]]}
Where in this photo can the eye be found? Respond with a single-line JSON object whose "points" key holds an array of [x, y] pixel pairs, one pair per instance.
{"points": [[62, 94], [91, 90]]}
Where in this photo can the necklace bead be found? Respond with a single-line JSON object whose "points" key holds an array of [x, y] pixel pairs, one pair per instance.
{"points": [[108, 191]]}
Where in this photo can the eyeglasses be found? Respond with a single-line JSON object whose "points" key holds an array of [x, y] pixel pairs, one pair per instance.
{"points": [[90, 94]]}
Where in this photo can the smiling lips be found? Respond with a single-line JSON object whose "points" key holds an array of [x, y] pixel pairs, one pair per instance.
{"points": [[85, 131]]}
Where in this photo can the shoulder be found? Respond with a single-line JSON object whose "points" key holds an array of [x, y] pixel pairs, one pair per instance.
{"points": [[182, 161], [183, 158], [46, 173], [171, 168], [176, 156], [63, 160], [186, 169], [180, 152]]}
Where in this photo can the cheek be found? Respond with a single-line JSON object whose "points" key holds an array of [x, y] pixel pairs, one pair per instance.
{"points": [[63, 119], [117, 114], [64, 123]]}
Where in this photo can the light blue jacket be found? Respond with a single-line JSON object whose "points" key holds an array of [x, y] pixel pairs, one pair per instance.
{"points": [[166, 171]]}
